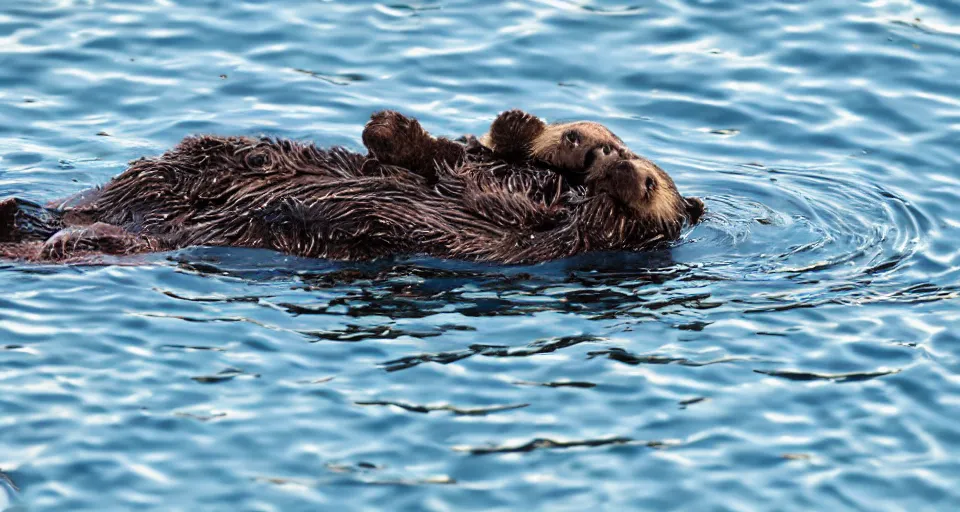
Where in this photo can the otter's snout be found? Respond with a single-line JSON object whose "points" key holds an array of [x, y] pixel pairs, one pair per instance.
{"points": [[601, 156], [628, 180], [634, 183]]}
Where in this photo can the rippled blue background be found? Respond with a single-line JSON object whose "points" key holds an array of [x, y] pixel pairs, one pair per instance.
{"points": [[797, 350]]}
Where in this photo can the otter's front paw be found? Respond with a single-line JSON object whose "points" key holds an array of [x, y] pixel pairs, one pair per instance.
{"points": [[99, 237], [512, 133], [65, 242], [395, 139]]}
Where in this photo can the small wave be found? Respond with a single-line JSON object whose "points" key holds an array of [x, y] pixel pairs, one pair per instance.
{"points": [[550, 444], [623, 356], [224, 376], [535, 348], [459, 411], [833, 377], [558, 384]]}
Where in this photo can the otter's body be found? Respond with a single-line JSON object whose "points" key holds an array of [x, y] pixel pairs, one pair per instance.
{"points": [[302, 200]]}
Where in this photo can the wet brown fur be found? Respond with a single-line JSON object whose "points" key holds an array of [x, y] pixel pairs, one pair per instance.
{"points": [[413, 194]]}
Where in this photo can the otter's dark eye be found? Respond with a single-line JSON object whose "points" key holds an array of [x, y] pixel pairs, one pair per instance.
{"points": [[607, 150], [573, 137], [650, 183]]}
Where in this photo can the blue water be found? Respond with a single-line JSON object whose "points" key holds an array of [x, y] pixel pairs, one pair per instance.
{"points": [[798, 350]]}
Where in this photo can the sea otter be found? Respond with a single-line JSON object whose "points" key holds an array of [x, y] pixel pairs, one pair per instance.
{"points": [[524, 193]]}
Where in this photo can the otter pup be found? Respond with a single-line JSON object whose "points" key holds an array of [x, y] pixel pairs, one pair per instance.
{"points": [[514, 136], [414, 194]]}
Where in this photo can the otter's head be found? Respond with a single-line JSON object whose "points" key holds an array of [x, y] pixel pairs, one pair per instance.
{"points": [[640, 187], [574, 147], [568, 147]]}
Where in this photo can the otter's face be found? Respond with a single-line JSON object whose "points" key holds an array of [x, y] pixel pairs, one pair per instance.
{"points": [[573, 147], [642, 187]]}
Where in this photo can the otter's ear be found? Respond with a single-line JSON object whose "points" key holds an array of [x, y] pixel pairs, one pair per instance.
{"points": [[695, 209], [512, 133]]}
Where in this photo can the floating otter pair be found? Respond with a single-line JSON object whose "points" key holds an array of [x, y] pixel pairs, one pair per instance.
{"points": [[525, 192]]}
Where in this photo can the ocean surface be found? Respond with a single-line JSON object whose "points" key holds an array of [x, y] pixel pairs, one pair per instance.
{"points": [[797, 350]]}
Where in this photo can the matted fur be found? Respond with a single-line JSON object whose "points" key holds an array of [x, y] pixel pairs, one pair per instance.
{"points": [[333, 203]]}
